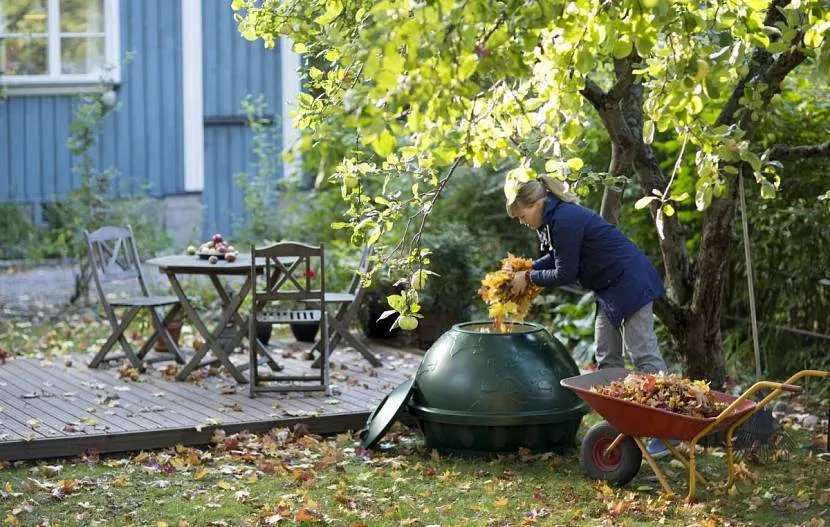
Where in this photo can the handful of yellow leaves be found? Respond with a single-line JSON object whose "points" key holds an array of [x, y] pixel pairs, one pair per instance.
{"points": [[496, 292]]}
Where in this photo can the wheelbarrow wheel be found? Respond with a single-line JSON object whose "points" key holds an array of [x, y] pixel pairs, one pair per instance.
{"points": [[618, 466]]}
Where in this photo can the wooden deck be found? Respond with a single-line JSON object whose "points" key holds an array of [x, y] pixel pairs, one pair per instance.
{"points": [[58, 408]]}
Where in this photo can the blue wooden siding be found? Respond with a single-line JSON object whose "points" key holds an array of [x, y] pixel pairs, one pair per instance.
{"points": [[143, 140], [233, 68]]}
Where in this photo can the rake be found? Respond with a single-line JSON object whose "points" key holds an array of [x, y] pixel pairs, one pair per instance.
{"points": [[761, 438]]}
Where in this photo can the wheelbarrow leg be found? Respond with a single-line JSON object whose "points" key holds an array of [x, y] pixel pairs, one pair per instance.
{"points": [[730, 459], [653, 465], [683, 459], [692, 471]]}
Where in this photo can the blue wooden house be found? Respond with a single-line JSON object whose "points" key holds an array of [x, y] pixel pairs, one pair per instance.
{"points": [[179, 131]]}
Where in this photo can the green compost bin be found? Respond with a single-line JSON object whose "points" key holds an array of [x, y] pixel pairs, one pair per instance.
{"points": [[478, 391]]}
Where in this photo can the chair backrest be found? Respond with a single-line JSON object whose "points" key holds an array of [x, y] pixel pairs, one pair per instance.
{"points": [[113, 255], [292, 271]]}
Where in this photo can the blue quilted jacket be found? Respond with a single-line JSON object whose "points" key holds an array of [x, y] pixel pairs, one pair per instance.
{"points": [[579, 245]]}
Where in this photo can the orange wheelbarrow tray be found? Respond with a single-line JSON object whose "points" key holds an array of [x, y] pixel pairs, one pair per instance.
{"points": [[613, 449]]}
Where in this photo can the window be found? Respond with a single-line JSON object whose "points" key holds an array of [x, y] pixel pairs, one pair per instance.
{"points": [[58, 42]]}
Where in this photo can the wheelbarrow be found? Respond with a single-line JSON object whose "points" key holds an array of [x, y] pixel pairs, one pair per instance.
{"points": [[613, 449]]}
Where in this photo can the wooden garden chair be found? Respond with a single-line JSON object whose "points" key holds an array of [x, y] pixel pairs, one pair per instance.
{"points": [[348, 305], [279, 292], [113, 256]]}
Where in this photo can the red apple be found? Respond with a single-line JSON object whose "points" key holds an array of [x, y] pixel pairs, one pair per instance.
{"points": [[217, 238], [230, 257], [213, 259], [222, 248]]}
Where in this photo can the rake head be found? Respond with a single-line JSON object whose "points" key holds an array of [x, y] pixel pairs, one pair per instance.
{"points": [[762, 439]]}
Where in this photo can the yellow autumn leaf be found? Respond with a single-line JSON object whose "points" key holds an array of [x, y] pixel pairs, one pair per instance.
{"points": [[120, 481], [11, 520], [162, 524], [199, 474], [223, 485], [606, 490], [501, 502]]}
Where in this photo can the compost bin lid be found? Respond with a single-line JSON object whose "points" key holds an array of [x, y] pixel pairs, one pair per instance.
{"points": [[381, 420]]}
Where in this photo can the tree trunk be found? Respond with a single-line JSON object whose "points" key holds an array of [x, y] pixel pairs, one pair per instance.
{"points": [[701, 349]]}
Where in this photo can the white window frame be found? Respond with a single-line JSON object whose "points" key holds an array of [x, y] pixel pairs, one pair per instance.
{"points": [[55, 82]]}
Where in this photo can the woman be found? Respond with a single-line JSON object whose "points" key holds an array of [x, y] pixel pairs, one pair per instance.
{"points": [[579, 245]]}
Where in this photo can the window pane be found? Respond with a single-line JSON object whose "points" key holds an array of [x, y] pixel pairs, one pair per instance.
{"points": [[82, 54], [23, 16], [82, 16], [24, 56]]}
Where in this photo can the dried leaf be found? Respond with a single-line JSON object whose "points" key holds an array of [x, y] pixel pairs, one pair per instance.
{"points": [[666, 392], [496, 291]]}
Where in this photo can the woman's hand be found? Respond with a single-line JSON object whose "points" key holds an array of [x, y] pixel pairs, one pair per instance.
{"points": [[519, 282]]}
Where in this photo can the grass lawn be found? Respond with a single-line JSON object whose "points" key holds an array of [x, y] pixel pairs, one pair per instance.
{"points": [[289, 477]]}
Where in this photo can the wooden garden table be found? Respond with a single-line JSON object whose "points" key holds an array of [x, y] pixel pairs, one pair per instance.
{"points": [[179, 265]]}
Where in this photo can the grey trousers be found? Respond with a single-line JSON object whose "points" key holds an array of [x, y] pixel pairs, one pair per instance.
{"points": [[637, 334]]}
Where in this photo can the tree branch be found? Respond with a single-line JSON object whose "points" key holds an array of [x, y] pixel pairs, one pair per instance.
{"points": [[593, 93], [622, 140], [625, 78], [787, 152]]}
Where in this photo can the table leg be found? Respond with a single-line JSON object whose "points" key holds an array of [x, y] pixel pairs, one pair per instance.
{"points": [[242, 323], [211, 343]]}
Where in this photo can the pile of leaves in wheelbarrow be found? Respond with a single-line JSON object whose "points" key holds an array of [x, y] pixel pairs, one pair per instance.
{"points": [[502, 302], [667, 392]]}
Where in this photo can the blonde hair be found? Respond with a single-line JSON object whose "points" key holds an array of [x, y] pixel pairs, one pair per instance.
{"points": [[534, 190]]}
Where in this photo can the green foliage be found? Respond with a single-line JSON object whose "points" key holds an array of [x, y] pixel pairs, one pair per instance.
{"points": [[455, 292], [261, 219], [413, 91], [790, 251], [475, 203], [572, 322], [90, 205], [16, 231]]}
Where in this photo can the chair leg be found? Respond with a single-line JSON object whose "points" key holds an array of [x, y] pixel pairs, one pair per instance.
{"points": [[325, 352], [118, 336], [252, 357]]}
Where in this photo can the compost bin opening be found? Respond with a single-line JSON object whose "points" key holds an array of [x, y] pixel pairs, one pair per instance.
{"points": [[513, 328]]}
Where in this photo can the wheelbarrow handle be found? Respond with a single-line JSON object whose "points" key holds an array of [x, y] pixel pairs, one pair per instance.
{"points": [[792, 388]]}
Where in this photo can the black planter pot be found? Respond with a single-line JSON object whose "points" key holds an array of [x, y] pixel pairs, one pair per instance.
{"points": [[263, 332], [378, 329], [306, 331]]}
